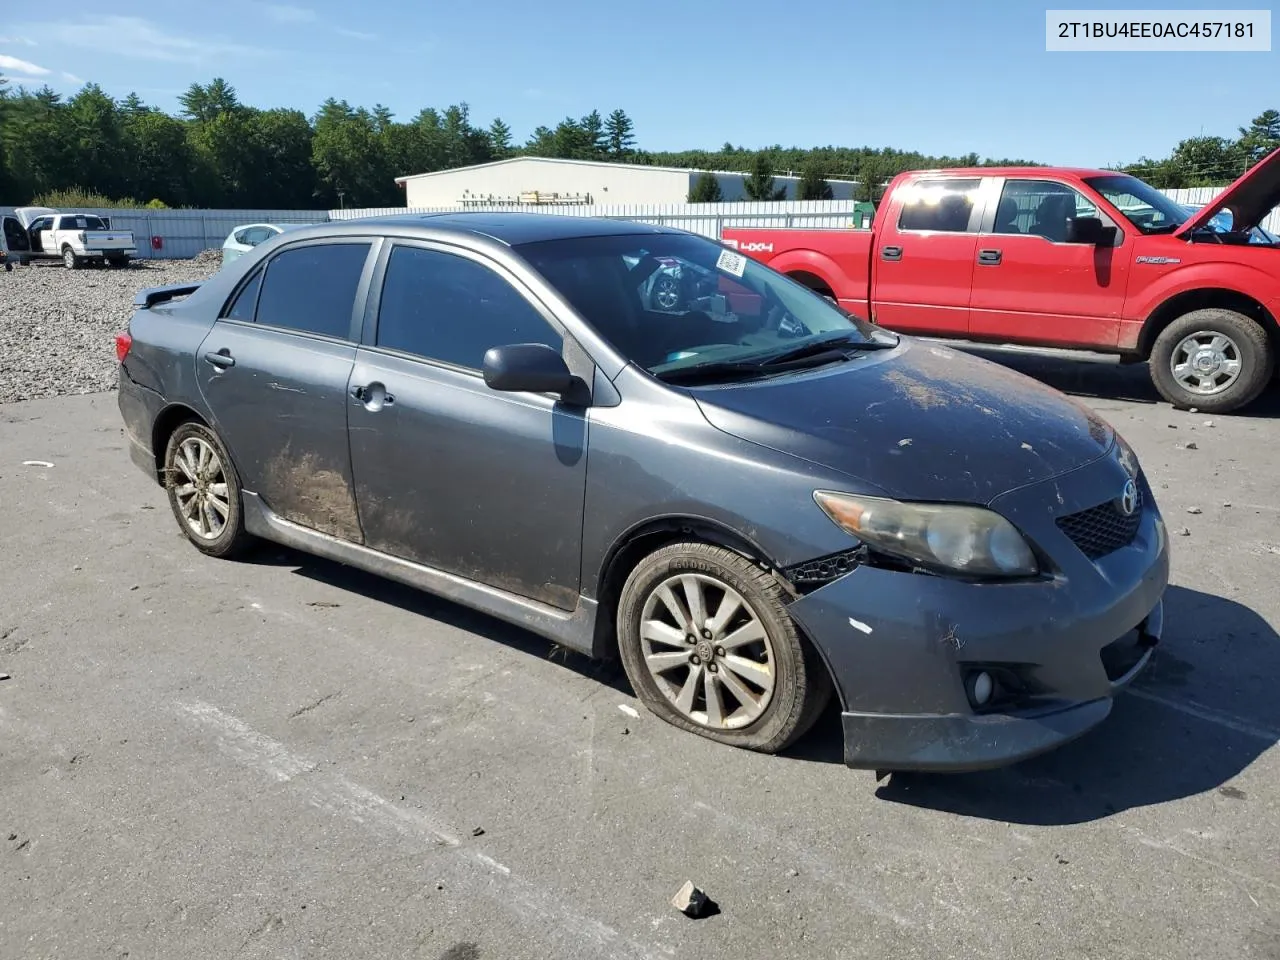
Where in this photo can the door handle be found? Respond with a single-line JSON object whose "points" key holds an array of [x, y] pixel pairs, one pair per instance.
{"points": [[374, 396], [989, 257], [222, 359], [890, 253]]}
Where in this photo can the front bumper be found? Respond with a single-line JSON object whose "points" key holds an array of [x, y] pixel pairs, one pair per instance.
{"points": [[900, 646]]}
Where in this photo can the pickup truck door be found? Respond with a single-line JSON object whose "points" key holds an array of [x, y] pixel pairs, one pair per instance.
{"points": [[922, 263], [1030, 285], [15, 237]]}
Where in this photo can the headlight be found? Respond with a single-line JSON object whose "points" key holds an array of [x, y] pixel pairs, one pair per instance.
{"points": [[1128, 459], [953, 538]]}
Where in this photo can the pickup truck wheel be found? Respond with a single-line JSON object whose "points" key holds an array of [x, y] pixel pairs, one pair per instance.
{"points": [[69, 259], [1213, 359], [707, 643]]}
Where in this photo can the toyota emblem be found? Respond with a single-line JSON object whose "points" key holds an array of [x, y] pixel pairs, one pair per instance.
{"points": [[1129, 498]]}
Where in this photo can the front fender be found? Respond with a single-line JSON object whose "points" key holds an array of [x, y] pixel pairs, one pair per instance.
{"points": [[1237, 278]]}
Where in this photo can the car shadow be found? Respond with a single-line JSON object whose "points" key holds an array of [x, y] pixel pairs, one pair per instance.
{"points": [[1097, 378], [1200, 715], [342, 577]]}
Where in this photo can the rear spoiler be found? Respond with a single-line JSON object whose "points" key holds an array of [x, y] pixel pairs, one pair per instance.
{"points": [[148, 298]]}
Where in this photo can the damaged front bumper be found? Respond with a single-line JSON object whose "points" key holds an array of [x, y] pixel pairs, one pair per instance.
{"points": [[905, 650]]}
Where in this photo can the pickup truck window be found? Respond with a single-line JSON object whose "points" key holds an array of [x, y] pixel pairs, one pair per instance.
{"points": [[1142, 204], [82, 223], [1040, 208], [940, 205]]}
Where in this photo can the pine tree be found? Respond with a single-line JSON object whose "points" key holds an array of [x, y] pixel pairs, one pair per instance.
{"points": [[706, 189], [619, 134], [813, 183], [593, 130], [759, 185], [500, 139], [1261, 136]]}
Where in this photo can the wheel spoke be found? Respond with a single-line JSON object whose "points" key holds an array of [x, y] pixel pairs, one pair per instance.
{"points": [[206, 527], [205, 455], [1230, 367], [750, 632], [697, 602], [655, 631], [221, 507], [757, 673], [182, 462], [1182, 372], [684, 701], [1219, 343], [711, 690], [659, 662], [752, 702], [672, 603], [190, 506], [218, 490], [185, 490], [730, 604]]}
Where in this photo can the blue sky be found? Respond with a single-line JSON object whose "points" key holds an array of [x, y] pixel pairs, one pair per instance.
{"points": [[941, 77]]}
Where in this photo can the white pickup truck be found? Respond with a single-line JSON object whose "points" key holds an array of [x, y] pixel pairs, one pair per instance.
{"points": [[39, 233]]}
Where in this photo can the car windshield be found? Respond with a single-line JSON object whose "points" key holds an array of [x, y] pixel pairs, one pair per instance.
{"points": [[1142, 204], [676, 302]]}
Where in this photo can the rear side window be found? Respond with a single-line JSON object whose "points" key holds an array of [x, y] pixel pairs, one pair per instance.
{"points": [[312, 289], [448, 308], [246, 300], [939, 205]]}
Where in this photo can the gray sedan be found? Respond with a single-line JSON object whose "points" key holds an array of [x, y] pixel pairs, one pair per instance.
{"points": [[752, 506]]}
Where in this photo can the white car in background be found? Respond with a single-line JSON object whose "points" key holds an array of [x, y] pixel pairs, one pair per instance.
{"points": [[244, 238]]}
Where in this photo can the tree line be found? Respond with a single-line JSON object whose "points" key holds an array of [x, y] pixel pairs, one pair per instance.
{"points": [[219, 152]]}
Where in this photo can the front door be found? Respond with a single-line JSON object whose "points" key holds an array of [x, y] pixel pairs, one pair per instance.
{"points": [[274, 371], [485, 485], [922, 262], [15, 238], [1031, 286]]}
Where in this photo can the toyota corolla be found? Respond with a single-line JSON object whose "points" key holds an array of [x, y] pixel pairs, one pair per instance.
{"points": [[754, 504]]}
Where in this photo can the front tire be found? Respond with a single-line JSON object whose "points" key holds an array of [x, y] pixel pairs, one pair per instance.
{"points": [[204, 491], [707, 643], [1215, 360]]}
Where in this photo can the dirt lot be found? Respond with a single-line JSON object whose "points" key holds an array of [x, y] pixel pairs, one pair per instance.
{"points": [[287, 759]]}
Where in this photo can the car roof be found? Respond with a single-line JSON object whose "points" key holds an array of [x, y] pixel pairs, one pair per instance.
{"points": [[511, 229], [1078, 172]]}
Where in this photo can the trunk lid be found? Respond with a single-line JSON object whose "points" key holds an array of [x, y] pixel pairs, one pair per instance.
{"points": [[1249, 199]]}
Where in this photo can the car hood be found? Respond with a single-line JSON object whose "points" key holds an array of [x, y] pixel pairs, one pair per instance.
{"points": [[924, 422], [1249, 199]]}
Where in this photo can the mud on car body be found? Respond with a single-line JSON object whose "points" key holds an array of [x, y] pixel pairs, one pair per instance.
{"points": [[754, 506]]}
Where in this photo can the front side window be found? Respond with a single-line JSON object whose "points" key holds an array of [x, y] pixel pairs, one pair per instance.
{"points": [[1141, 204], [1040, 208], [443, 307], [943, 205], [312, 289], [675, 302]]}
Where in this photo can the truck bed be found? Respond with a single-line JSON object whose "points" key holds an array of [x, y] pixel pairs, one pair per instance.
{"points": [[836, 262]]}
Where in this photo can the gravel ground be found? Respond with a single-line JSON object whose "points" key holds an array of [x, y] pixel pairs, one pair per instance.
{"points": [[57, 325]]}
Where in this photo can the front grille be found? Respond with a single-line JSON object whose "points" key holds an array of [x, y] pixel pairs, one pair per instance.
{"points": [[1103, 529]]}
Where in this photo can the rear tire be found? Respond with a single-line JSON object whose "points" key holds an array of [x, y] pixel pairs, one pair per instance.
{"points": [[204, 491], [1215, 360], [760, 695], [69, 259]]}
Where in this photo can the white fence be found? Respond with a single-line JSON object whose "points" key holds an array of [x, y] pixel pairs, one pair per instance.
{"points": [[179, 234]]}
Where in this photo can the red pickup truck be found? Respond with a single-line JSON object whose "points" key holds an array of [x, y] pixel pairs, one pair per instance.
{"points": [[1045, 256]]}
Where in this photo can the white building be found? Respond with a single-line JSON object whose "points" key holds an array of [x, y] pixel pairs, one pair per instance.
{"points": [[543, 180]]}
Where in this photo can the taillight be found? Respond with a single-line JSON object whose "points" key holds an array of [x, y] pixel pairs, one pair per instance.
{"points": [[123, 342]]}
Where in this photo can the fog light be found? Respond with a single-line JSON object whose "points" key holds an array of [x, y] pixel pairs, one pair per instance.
{"points": [[981, 686]]}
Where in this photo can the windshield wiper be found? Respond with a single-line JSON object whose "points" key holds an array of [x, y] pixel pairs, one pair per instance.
{"points": [[825, 345], [712, 371]]}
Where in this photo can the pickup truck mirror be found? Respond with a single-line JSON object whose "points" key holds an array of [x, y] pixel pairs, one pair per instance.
{"points": [[1086, 230]]}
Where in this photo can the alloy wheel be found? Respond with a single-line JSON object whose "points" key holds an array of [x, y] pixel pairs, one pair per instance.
{"points": [[201, 490], [1205, 363], [707, 651]]}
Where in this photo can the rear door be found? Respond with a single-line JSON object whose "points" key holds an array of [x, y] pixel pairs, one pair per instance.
{"points": [[274, 372], [1030, 285], [923, 259]]}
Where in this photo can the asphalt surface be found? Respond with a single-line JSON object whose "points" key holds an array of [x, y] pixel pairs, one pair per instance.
{"points": [[288, 759]]}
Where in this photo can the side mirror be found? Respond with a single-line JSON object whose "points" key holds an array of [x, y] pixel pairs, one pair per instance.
{"points": [[526, 368], [1085, 230]]}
